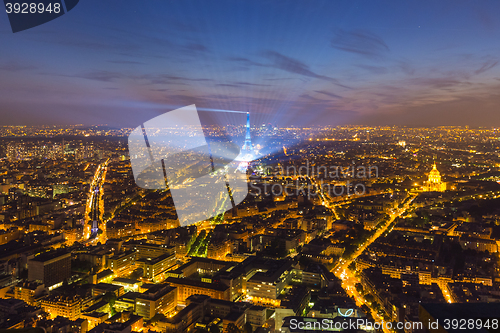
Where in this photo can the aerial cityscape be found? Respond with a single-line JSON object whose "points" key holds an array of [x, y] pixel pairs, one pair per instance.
{"points": [[250, 166], [350, 222]]}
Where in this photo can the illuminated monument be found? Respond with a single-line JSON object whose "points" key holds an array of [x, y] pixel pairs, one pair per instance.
{"points": [[247, 150], [434, 183]]}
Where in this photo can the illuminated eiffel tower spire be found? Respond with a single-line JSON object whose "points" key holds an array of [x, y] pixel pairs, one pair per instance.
{"points": [[247, 146]]}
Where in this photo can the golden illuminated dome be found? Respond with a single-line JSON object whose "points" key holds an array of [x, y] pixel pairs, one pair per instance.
{"points": [[434, 175], [434, 184]]}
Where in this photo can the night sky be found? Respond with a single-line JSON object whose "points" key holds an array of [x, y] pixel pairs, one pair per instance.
{"points": [[122, 62]]}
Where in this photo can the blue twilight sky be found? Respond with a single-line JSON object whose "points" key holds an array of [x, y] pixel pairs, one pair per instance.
{"points": [[307, 62]]}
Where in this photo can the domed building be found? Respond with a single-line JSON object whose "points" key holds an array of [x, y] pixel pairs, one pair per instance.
{"points": [[434, 183]]}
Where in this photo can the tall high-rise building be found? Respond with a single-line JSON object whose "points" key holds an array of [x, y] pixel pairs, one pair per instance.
{"points": [[50, 268]]}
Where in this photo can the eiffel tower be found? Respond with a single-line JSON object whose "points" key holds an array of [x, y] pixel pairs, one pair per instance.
{"points": [[247, 148]]}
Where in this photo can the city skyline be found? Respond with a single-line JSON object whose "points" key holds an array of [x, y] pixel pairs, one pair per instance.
{"points": [[352, 223]]}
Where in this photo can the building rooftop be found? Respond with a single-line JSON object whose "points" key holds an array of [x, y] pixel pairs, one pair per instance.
{"points": [[47, 256], [126, 281], [122, 255], [130, 296], [196, 283], [104, 273], [106, 287], [157, 259], [156, 292]]}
